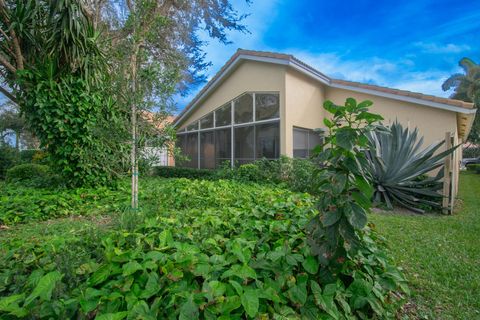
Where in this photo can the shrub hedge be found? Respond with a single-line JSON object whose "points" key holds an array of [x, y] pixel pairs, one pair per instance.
{"points": [[179, 172], [31, 174], [473, 152], [474, 167], [296, 174]]}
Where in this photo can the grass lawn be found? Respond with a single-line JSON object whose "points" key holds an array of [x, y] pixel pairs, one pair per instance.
{"points": [[440, 255]]}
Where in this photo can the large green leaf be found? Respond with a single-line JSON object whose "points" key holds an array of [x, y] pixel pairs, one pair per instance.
{"points": [[250, 301], [310, 264], [45, 287], [112, 316], [189, 310]]}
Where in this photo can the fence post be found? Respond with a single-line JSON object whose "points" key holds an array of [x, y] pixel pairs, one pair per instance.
{"points": [[446, 176]]}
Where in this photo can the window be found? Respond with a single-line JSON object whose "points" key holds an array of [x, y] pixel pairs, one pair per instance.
{"points": [[223, 115], [207, 150], [244, 109], [207, 121], [191, 150], [244, 144], [208, 142], [180, 143], [192, 126], [266, 106], [267, 140], [223, 144], [304, 140]]}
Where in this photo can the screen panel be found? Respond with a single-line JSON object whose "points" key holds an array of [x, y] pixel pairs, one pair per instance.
{"points": [[243, 107], [244, 144], [267, 106], [223, 115], [223, 146], [207, 150], [267, 140]]}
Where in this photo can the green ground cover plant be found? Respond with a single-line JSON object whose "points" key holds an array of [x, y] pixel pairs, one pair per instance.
{"points": [[21, 203], [197, 249]]}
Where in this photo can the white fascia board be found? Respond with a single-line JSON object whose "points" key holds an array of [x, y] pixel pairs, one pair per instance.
{"points": [[310, 72], [428, 103]]}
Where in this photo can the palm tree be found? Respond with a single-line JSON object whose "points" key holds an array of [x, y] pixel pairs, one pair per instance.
{"points": [[467, 88]]}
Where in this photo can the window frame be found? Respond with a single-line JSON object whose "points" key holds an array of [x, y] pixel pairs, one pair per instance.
{"points": [[308, 132]]}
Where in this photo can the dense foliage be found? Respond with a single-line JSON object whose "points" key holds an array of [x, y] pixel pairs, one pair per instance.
{"points": [[57, 76], [10, 157], [31, 174], [398, 166], [296, 174], [197, 250], [179, 172], [80, 129], [474, 167], [20, 203], [471, 152]]}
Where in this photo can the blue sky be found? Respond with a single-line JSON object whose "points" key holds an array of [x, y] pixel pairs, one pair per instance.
{"points": [[411, 45]]}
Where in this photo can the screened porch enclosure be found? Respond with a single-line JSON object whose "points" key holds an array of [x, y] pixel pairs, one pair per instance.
{"points": [[241, 131]]}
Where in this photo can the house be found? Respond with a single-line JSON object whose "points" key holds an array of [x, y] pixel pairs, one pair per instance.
{"points": [[158, 156], [263, 105]]}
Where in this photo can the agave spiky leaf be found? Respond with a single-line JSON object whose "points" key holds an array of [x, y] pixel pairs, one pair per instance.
{"points": [[397, 162]]}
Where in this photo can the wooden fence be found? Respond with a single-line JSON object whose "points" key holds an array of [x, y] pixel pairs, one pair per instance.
{"points": [[451, 170]]}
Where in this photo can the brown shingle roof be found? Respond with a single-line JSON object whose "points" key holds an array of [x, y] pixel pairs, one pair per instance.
{"points": [[405, 93], [289, 57]]}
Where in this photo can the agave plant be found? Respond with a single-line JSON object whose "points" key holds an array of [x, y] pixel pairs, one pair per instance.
{"points": [[398, 166]]}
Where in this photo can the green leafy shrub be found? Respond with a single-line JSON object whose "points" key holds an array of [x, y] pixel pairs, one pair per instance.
{"points": [[474, 167], [26, 156], [472, 152], [180, 172], [33, 175], [296, 174], [9, 157], [337, 235], [20, 203], [40, 157], [201, 250], [395, 163]]}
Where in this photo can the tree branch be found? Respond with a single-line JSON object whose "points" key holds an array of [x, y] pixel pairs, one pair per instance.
{"points": [[7, 94], [15, 41], [6, 64]]}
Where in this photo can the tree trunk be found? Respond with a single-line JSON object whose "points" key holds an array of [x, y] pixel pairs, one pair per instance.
{"points": [[134, 163], [17, 140]]}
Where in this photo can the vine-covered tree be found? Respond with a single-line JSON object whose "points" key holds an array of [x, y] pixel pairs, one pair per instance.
{"points": [[467, 88], [52, 66]]}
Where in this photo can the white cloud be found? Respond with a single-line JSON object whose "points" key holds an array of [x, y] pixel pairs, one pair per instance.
{"points": [[398, 74], [442, 49]]}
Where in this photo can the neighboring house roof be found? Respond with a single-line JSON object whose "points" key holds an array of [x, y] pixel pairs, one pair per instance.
{"points": [[290, 61]]}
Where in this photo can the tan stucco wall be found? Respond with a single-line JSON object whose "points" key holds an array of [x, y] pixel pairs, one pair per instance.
{"points": [[432, 123], [304, 99], [249, 76]]}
